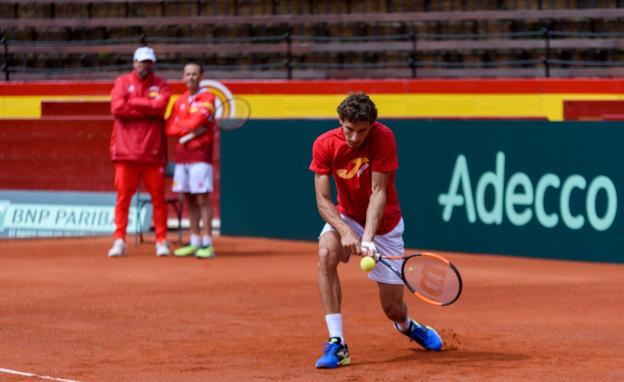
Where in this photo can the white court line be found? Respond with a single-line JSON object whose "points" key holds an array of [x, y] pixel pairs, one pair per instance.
{"points": [[25, 374]]}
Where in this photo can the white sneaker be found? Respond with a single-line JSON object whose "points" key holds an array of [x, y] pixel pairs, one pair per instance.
{"points": [[118, 249], [162, 248]]}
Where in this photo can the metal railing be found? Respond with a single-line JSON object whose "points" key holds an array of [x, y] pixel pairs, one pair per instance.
{"points": [[287, 52]]}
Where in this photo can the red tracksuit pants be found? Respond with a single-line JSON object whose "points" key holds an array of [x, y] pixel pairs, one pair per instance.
{"points": [[127, 177]]}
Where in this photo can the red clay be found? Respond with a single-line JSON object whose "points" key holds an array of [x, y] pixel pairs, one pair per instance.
{"points": [[254, 313]]}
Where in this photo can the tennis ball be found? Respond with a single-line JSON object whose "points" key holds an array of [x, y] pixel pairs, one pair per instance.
{"points": [[367, 263]]}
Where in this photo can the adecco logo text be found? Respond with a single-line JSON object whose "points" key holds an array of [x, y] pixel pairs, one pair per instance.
{"points": [[520, 200]]}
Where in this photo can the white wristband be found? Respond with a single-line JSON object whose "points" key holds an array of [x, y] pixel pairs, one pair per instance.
{"points": [[368, 246]]}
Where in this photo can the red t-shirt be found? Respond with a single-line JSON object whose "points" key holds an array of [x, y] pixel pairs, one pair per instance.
{"points": [[352, 171], [190, 113]]}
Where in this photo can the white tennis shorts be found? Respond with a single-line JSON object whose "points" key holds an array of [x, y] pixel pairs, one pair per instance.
{"points": [[390, 244], [194, 178]]}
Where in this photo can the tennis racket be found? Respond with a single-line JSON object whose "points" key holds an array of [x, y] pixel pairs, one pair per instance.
{"points": [[430, 277], [230, 114]]}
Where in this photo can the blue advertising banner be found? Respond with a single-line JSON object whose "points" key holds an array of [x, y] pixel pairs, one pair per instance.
{"points": [[46, 214]]}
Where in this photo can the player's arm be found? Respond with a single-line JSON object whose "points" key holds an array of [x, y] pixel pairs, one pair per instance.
{"points": [[197, 119], [174, 125], [119, 102], [155, 106], [176, 128], [376, 204], [328, 211], [180, 124]]}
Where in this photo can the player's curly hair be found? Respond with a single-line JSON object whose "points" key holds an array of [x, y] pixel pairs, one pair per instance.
{"points": [[357, 107]]}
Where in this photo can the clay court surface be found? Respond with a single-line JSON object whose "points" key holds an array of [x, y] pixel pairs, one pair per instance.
{"points": [[254, 314]]}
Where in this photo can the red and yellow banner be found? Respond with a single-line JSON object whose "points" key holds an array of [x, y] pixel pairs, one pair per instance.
{"points": [[504, 98]]}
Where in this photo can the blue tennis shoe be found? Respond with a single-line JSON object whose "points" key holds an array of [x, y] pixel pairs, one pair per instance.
{"points": [[424, 335], [334, 355]]}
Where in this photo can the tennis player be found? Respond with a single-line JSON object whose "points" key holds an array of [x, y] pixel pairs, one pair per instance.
{"points": [[192, 176], [361, 156]]}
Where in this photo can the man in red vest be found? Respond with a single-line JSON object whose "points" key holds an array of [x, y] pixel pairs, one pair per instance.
{"points": [[138, 145]]}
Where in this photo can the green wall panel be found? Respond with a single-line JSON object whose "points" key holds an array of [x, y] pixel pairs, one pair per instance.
{"points": [[526, 188], [266, 187]]}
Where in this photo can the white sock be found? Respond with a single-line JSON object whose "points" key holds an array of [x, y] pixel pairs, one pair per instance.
{"points": [[403, 326], [206, 241], [334, 325], [195, 240]]}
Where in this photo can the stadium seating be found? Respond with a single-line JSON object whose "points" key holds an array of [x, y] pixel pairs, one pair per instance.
{"points": [[317, 39]]}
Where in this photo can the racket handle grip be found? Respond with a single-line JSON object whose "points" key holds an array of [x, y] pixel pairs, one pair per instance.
{"points": [[187, 137]]}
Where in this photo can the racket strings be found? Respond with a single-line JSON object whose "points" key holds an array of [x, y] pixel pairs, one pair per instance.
{"points": [[432, 278], [235, 113]]}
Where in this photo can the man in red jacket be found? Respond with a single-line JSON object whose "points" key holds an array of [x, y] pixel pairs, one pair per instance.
{"points": [[192, 112], [138, 145]]}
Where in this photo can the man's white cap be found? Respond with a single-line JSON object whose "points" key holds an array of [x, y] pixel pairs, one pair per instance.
{"points": [[144, 53]]}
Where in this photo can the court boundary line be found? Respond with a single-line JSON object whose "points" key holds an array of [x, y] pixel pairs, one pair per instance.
{"points": [[32, 375]]}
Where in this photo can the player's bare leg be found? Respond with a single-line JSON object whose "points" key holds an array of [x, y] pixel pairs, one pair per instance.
{"points": [[205, 214], [391, 298], [205, 211], [330, 254], [194, 215], [336, 352]]}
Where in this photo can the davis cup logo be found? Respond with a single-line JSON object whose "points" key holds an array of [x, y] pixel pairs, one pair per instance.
{"points": [[222, 94]]}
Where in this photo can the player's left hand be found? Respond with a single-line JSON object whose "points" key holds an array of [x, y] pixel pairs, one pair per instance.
{"points": [[367, 248]]}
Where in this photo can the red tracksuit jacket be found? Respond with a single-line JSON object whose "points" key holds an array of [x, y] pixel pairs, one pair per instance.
{"points": [[139, 129], [187, 116]]}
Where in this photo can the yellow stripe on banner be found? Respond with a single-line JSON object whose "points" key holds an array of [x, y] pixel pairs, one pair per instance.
{"points": [[423, 105], [30, 106], [389, 105], [293, 106]]}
